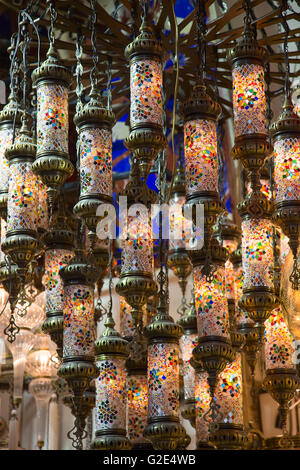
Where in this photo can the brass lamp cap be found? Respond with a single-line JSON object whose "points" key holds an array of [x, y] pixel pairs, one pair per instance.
{"points": [[94, 112], [189, 320], [201, 106], [111, 343], [10, 112], [288, 121], [247, 49], [163, 327], [256, 204], [52, 70], [60, 236], [24, 148], [144, 44], [78, 271]]}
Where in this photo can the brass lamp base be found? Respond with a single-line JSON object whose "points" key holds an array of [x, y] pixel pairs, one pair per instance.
{"points": [[228, 436], [165, 433], [113, 439]]}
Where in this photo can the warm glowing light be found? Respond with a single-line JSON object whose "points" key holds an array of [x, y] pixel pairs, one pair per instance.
{"points": [[249, 100], [229, 393], [287, 168], [201, 164], [257, 253], [241, 315], [137, 249], [279, 348], [187, 343], [55, 259], [202, 398], [211, 304], [163, 380], [137, 398]]}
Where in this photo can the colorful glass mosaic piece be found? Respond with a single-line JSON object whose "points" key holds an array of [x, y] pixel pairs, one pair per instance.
{"points": [[200, 151], [111, 394], [43, 219], [137, 249], [211, 304], [287, 169], [95, 161], [55, 259], [22, 205], [257, 253], [137, 403], [229, 395], [279, 348], [163, 380], [146, 92], [52, 118], [6, 136], [79, 324], [187, 344], [249, 100]]}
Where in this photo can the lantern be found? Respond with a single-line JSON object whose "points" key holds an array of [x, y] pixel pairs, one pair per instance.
{"points": [[59, 251], [146, 138], [202, 398], [111, 393], [52, 164]]}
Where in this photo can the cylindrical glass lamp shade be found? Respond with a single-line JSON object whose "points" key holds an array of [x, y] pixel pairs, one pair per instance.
{"points": [[41, 388], [230, 245], [257, 253], [43, 220], [146, 92], [201, 165], [137, 403], [287, 168], [137, 252], [54, 260], [229, 393], [211, 304], [127, 327], [241, 314], [22, 206], [202, 398], [19, 349], [249, 99], [111, 394], [79, 323], [163, 380], [95, 161], [187, 344], [6, 137], [278, 348], [52, 118]]}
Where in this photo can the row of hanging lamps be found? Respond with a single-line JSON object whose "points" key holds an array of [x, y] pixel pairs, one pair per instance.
{"points": [[201, 113], [252, 147], [146, 138], [78, 363], [187, 343], [52, 80], [111, 394], [286, 138], [94, 124], [59, 250], [41, 366]]}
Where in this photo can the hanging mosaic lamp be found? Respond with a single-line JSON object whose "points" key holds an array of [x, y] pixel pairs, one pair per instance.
{"points": [[163, 429], [9, 114], [22, 242], [43, 213], [243, 323], [178, 259], [59, 250], [286, 137], [137, 393], [214, 349], [52, 163], [136, 282], [111, 394], [281, 379], [94, 123], [78, 364], [146, 138], [229, 434], [201, 113], [187, 343]]}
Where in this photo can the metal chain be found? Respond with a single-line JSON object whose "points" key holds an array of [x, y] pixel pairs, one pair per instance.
{"points": [[80, 39], [283, 13], [201, 42], [110, 271], [94, 70], [109, 76], [53, 18]]}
